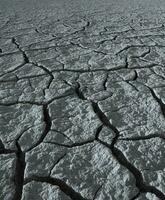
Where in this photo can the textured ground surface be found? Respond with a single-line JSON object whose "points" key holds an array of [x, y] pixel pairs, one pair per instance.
{"points": [[82, 103]]}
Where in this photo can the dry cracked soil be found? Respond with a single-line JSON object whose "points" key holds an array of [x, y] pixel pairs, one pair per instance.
{"points": [[82, 100]]}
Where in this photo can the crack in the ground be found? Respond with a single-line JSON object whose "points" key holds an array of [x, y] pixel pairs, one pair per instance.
{"points": [[3, 150], [79, 92], [56, 163], [161, 76], [76, 144], [12, 70], [105, 82], [6, 151], [16, 78], [132, 85], [146, 137], [136, 76], [48, 124], [141, 185], [67, 40], [97, 191], [143, 54], [48, 72], [159, 101], [38, 103], [63, 134], [149, 66], [26, 59], [69, 191], [22, 102], [19, 173]]}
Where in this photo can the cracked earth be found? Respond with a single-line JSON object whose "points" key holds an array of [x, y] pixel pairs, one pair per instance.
{"points": [[82, 107]]}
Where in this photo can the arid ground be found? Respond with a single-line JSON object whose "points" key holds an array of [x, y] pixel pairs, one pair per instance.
{"points": [[82, 100]]}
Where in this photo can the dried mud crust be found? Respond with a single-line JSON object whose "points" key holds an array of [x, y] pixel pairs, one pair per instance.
{"points": [[82, 107]]}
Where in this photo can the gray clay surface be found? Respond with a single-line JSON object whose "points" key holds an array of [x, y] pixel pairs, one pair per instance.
{"points": [[82, 100]]}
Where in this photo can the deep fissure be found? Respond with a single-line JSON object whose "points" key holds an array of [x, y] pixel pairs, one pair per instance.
{"points": [[69, 191], [19, 172]]}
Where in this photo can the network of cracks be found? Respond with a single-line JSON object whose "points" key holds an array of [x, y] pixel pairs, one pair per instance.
{"points": [[82, 107]]}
